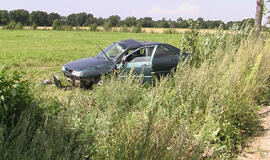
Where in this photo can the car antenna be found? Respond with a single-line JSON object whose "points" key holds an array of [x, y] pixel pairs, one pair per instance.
{"points": [[103, 52]]}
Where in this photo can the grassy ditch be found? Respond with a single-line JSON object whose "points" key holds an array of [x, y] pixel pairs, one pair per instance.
{"points": [[208, 109]]}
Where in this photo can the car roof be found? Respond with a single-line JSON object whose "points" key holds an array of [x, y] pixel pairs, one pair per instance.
{"points": [[133, 44], [130, 43]]}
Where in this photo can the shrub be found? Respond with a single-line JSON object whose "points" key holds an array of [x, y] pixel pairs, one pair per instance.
{"points": [[205, 45], [124, 28], [14, 96], [57, 25], [34, 26], [48, 126], [66, 28], [11, 25], [107, 27], [170, 31], [93, 27], [19, 26], [137, 29]]}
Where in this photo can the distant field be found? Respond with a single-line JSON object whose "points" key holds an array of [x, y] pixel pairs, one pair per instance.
{"points": [[38, 53], [145, 30]]}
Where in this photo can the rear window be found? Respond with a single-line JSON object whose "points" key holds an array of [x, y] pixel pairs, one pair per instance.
{"points": [[163, 51]]}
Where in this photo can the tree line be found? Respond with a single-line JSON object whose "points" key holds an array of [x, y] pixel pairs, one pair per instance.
{"points": [[41, 18]]}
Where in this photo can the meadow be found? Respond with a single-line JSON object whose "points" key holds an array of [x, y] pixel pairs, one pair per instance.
{"points": [[38, 53], [208, 110]]}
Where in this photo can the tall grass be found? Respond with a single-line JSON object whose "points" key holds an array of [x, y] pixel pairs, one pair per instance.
{"points": [[207, 110]]}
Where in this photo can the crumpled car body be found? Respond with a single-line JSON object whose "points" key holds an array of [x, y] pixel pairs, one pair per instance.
{"points": [[143, 59]]}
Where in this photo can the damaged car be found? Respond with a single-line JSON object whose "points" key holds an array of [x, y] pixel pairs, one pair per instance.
{"points": [[143, 59]]}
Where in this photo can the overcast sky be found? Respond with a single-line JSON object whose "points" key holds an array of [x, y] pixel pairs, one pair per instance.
{"points": [[226, 10]]}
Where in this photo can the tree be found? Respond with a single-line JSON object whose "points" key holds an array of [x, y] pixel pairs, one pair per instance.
{"points": [[19, 15], [114, 20], [182, 23], [259, 14], [180, 20], [100, 21], [201, 22], [52, 17], [174, 24], [3, 17], [146, 22], [71, 19], [90, 20], [78, 19], [130, 21], [81, 18], [163, 23], [39, 17]]}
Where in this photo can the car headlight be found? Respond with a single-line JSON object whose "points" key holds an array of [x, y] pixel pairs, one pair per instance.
{"points": [[77, 73], [63, 69]]}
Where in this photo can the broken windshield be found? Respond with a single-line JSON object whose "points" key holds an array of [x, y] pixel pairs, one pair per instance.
{"points": [[113, 51]]}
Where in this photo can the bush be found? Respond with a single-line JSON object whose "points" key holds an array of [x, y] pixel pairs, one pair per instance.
{"points": [[107, 27], [205, 45], [124, 28], [57, 25], [137, 29], [34, 26], [66, 28], [11, 25], [170, 31], [14, 96], [48, 126], [19, 26], [93, 27]]}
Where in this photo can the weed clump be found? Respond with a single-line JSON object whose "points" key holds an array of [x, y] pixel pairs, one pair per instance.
{"points": [[15, 96]]}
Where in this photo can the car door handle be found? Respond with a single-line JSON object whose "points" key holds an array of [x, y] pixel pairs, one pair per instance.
{"points": [[146, 65]]}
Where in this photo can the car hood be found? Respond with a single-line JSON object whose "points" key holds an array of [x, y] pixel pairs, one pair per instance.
{"points": [[89, 67]]}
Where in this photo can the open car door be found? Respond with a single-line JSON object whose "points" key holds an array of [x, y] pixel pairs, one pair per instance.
{"points": [[138, 62]]}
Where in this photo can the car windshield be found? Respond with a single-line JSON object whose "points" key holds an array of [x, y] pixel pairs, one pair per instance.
{"points": [[112, 52]]}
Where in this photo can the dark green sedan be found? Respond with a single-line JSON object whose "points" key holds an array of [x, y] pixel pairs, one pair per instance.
{"points": [[143, 59]]}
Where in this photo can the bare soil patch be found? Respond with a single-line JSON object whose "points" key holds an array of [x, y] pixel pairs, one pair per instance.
{"points": [[259, 148]]}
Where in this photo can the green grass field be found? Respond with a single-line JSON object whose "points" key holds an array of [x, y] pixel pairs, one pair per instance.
{"points": [[49, 50], [39, 53], [208, 110]]}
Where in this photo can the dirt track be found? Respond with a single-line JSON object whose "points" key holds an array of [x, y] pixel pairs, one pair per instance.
{"points": [[259, 148]]}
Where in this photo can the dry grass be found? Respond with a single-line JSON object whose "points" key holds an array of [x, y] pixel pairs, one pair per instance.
{"points": [[118, 29], [177, 30]]}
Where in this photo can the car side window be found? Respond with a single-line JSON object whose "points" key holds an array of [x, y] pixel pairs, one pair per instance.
{"points": [[163, 51], [141, 55]]}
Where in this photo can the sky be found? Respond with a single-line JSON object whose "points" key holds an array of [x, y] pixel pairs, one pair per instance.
{"points": [[225, 10]]}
